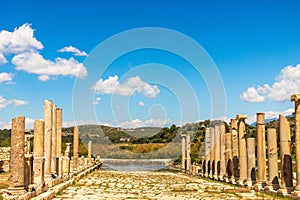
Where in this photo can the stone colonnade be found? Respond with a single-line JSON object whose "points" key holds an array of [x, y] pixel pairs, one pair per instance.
{"points": [[46, 166], [236, 157]]}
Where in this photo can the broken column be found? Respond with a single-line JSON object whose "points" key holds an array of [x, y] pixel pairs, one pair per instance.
{"points": [[183, 151], [58, 139], [48, 136], [242, 148], [273, 182], [38, 152], [251, 161], [188, 152], [285, 156], [222, 152], [76, 148], [261, 150], [90, 152], [66, 160], [228, 157], [207, 152], [53, 140], [296, 98], [17, 156], [235, 149], [212, 152]]}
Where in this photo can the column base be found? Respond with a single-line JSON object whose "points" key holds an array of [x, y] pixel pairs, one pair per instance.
{"points": [[260, 186], [285, 191], [296, 193], [272, 188], [17, 190]]}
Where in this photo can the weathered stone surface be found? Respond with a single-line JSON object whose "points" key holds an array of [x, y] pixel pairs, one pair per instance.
{"points": [[75, 148], [285, 154], [251, 177], [242, 148], [17, 161], [90, 152], [58, 131], [273, 178], [261, 149], [207, 153], [188, 152], [212, 152], [48, 136], [235, 149], [222, 152], [228, 157], [217, 140], [38, 146], [54, 142]]}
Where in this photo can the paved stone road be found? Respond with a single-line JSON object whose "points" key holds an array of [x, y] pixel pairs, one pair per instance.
{"points": [[152, 185]]}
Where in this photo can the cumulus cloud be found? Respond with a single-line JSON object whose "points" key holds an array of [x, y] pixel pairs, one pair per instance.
{"points": [[129, 87], [34, 63], [75, 51], [16, 102], [24, 47], [286, 84], [97, 101], [141, 103], [6, 77], [20, 40], [135, 123]]}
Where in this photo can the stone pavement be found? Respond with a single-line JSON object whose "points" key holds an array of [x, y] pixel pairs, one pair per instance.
{"points": [[153, 185]]}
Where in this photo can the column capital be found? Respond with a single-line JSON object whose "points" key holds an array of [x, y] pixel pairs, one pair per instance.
{"points": [[295, 97], [241, 117]]}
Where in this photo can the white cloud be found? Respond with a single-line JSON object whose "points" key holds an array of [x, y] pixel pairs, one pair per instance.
{"points": [[286, 84], [97, 101], [20, 40], [135, 123], [271, 115], [33, 62], [16, 102], [6, 77], [75, 51], [129, 87], [141, 103]]}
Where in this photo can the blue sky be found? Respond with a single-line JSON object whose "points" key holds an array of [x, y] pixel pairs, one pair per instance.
{"points": [[254, 44]]}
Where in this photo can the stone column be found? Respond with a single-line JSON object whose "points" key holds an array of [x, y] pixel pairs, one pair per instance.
{"points": [[48, 136], [17, 156], [75, 148], [273, 182], [90, 152], [261, 150], [183, 152], [235, 150], [53, 142], [38, 152], [58, 131], [222, 152], [296, 98], [212, 152], [242, 148], [207, 152], [217, 151], [66, 160], [188, 152], [228, 157], [285, 156], [251, 161]]}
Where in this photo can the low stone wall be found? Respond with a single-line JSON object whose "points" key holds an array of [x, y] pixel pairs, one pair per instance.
{"points": [[4, 159]]}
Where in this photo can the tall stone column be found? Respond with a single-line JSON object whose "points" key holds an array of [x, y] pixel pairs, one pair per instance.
{"points": [[235, 149], [261, 151], [53, 142], [251, 161], [212, 152], [273, 182], [188, 152], [296, 98], [48, 136], [242, 148], [90, 152], [17, 156], [183, 152], [228, 157], [207, 152], [66, 160], [222, 152], [38, 152], [58, 132], [217, 151], [75, 148], [285, 156]]}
